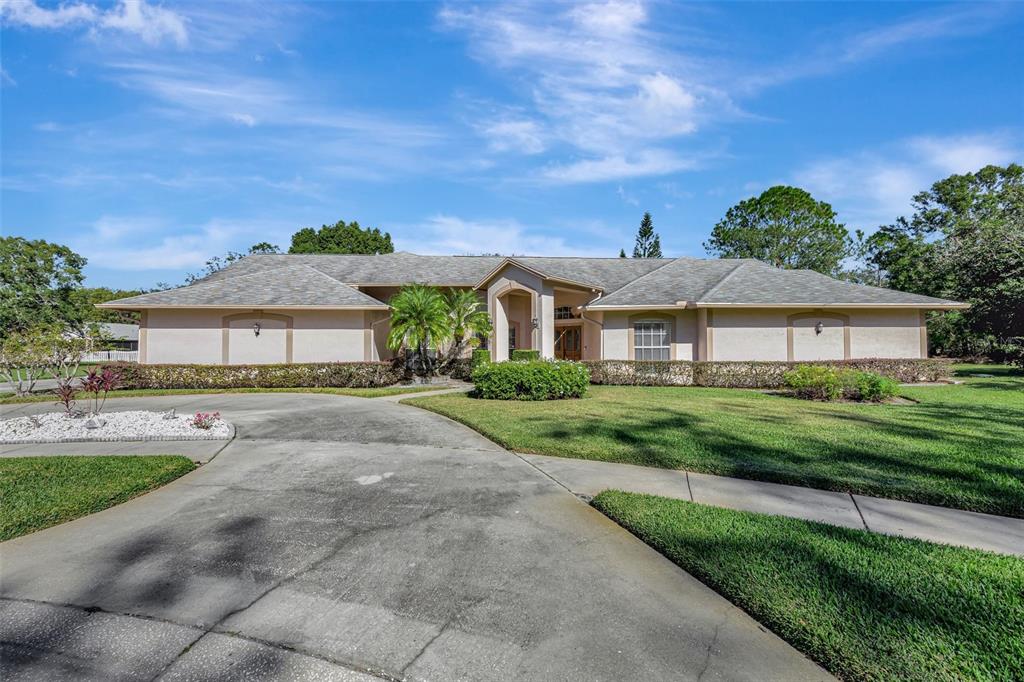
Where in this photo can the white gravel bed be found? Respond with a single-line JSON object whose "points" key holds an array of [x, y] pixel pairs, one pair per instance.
{"points": [[56, 427]]}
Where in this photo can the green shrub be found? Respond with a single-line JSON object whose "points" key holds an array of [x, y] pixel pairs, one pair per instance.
{"points": [[525, 354], [820, 382], [459, 368], [752, 374], [295, 375], [868, 386], [533, 380], [815, 382], [480, 356]]}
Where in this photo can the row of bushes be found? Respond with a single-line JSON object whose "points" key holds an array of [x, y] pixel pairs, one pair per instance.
{"points": [[297, 375], [530, 380], [753, 374], [817, 382]]}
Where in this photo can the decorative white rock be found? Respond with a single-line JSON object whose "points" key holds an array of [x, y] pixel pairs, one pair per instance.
{"points": [[111, 426]]}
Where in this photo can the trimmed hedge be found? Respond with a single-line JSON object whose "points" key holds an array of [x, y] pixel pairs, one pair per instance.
{"points": [[525, 354], [533, 380], [296, 375], [753, 374]]}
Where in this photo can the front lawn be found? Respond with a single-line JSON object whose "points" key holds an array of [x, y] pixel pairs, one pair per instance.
{"points": [[865, 606], [960, 446], [39, 492], [10, 398]]}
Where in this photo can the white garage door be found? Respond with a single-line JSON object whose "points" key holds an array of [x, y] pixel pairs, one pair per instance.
{"points": [[245, 347]]}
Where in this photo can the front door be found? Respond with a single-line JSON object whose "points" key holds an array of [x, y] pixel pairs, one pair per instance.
{"points": [[569, 343]]}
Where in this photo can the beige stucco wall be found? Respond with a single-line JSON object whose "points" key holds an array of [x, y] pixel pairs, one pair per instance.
{"points": [[885, 334], [761, 334], [195, 336]]}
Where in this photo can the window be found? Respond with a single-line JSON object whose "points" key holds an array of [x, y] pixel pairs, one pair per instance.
{"points": [[564, 312], [511, 338], [651, 342]]}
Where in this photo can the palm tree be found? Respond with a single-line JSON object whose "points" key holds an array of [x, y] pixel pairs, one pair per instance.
{"points": [[420, 320], [467, 318]]}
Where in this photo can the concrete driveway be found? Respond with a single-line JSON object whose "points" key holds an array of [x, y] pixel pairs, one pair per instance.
{"points": [[345, 538]]}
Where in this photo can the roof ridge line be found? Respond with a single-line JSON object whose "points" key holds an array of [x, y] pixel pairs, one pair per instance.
{"points": [[646, 274], [724, 278]]}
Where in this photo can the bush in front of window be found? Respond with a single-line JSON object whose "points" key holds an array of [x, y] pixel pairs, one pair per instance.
{"points": [[295, 375], [525, 354], [819, 382], [480, 356], [532, 380]]}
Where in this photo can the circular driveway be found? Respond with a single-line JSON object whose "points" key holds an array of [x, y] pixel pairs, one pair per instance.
{"points": [[346, 538]]}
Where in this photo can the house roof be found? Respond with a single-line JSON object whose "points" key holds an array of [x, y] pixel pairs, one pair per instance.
{"points": [[119, 331], [331, 281], [290, 285]]}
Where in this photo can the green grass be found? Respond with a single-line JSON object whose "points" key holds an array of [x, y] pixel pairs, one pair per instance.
{"points": [[39, 492], [959, 446], [865, 606], [9, 398]]}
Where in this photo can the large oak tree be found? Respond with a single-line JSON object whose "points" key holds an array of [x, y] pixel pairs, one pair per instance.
{"points": [[784, 226]]}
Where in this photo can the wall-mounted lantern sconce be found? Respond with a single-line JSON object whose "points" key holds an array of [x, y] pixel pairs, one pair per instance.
{"points": [[818, 328], [256, 328], [534, 323]]}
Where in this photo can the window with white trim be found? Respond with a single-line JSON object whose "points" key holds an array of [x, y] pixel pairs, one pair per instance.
{"points": [[564, 312], [651, 341]]}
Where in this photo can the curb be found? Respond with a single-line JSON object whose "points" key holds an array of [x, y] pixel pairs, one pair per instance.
{"points": [[120, 439]]}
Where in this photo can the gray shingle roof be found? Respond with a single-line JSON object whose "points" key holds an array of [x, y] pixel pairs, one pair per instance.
{"points": [[290, 285], [750, 282], [323, 280]]}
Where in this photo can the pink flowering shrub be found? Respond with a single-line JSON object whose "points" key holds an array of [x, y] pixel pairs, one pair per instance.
{"points": [[205, 420]]}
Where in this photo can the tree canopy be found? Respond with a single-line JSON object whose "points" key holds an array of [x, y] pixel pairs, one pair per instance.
{"points": [[341, 237], [220, 262], [965, 241], [37, 279], [648, 243], [86, 298], [784, 226]]}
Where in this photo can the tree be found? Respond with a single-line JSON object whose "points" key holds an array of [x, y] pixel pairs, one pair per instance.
{"points": [[341, 237], [784, 226], [420, 321], [37, 279], [467, 318], [26, 355], [86, 298], [965, 241], [648, 243], [220, 262], [622, 253]]}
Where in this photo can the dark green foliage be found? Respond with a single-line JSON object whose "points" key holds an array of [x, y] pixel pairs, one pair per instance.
{"points": [[480, 356], [525, 354], [341, 237], [39, 492], [648, 243], [86, 298], [37, 279], [295, 375], [784, 226], [533, 380], [751, 374], [965, 241], [956, 446], [864, 605], [622, 253]]}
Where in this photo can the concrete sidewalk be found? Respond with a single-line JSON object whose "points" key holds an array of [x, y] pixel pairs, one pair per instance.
{"points": [[893, 517]]}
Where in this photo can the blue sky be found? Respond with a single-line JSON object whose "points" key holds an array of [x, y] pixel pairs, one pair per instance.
{"points": [[150, 137]]}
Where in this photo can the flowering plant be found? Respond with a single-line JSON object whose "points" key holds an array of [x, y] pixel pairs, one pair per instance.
{"points": [[98, 384], [205, 420]]}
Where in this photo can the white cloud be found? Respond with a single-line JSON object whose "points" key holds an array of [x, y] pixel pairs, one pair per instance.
{"points": [[140, 243], [5, 78], [150, 23], [647, 162], [597, 80], [48, 127], [874, 187], [626, 196], [446, 234]]}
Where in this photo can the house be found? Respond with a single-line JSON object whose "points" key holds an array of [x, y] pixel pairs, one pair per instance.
{"points": [[334, 308], [119, 336]]}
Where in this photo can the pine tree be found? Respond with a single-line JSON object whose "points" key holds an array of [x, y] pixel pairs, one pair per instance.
{"points": [[648, 243], [622, 253]]}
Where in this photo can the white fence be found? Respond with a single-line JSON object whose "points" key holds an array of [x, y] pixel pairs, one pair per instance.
{"points": [[112, 355]]}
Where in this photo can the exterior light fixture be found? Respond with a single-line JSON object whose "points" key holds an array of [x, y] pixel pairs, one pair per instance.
{"points": [[534, 323], [256, 328], [818, 328]]}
